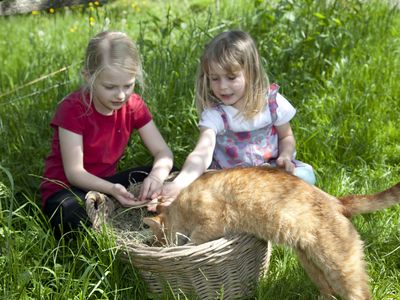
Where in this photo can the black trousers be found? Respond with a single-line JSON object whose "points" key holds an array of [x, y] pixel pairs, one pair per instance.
{"points": [[65, 210]]}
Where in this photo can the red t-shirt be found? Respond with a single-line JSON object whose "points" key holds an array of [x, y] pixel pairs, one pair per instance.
{"points": [[104, 137]]}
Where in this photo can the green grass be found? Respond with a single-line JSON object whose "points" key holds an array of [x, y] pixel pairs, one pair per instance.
{"points": [[338, 62]]}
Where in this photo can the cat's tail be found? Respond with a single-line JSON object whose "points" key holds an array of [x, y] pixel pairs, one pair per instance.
{"points": [[361, 204]]}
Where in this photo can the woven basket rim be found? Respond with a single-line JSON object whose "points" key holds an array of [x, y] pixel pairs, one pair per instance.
{"points": [[187, 249]]}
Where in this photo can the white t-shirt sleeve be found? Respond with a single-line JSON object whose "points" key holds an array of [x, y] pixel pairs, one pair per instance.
{"points": [[211, 118], [285, 111]]}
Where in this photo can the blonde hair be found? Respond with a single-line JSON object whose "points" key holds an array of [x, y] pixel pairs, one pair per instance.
{"points": [[233, 51], [111, 49]]}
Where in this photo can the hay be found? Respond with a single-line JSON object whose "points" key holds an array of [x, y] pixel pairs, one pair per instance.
{"points": [[125, 223]]}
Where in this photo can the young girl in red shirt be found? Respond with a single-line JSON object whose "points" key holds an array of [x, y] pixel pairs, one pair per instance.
{"points": [[92, 127]]}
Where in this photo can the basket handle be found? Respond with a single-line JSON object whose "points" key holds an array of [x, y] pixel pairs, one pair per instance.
{"points": [[99, 208]]}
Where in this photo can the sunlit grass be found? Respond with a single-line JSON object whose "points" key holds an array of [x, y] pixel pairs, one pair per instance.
{"points": [[338, 63]]}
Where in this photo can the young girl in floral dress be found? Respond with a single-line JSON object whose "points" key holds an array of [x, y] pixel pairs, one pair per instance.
{"points": [[244, 121]]}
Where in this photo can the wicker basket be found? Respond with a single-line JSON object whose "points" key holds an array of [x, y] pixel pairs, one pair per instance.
{"points": [[229, 266]]}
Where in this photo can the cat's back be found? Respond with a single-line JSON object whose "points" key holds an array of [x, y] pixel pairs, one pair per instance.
{"points": [[255, 180], [269, 203], [258, 188]]}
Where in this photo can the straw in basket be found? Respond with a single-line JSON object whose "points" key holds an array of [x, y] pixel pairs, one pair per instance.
{"points": [[231, 264]]}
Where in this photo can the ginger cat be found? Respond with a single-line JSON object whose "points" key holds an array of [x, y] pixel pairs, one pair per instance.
{"points": [[276, 206]]}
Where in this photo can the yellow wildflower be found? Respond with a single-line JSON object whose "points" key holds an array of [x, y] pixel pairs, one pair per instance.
{"points": [[135, 7], [92, 21]]}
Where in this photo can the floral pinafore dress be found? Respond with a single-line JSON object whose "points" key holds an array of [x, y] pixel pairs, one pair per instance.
{"points": [[248, 148]]}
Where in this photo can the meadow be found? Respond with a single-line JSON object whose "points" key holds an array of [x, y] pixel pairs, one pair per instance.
{"points": [[338, 62]]}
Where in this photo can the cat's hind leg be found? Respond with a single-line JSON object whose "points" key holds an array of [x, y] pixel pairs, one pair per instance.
{"points": [[316, 275], [338, 253]]}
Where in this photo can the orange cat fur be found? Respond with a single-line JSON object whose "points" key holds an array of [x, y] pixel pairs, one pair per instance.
{"points": [[276, 206]]}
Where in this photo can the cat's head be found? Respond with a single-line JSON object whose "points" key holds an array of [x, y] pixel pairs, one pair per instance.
{"points": [[157, 226], [164, 228]]}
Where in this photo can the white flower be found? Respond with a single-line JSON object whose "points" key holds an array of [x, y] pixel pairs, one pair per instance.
{"points": [[106, 23]]}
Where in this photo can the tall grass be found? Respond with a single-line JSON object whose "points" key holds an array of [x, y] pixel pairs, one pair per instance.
{"points": [[338, 62]]}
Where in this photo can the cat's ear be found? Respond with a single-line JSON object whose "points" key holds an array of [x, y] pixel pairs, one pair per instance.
{"points": [[162, 204], [160, 208]]}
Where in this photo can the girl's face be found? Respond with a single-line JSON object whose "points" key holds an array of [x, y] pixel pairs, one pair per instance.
{"points": [[111, 89], [228, 87]]}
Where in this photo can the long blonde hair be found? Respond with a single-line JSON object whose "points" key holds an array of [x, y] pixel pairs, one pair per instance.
{"points": [[111, 49], [233, 51]]}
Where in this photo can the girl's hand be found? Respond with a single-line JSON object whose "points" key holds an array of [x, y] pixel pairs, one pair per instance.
{"points": [[286, 164], [169, 192], [151, 188], [126, 199]]}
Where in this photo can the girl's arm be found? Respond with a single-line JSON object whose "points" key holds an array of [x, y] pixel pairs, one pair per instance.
{"points": [[163, 160], [287, 147], [195, 164], [72, 157]]}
